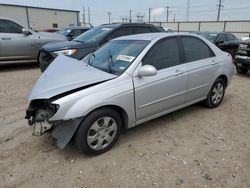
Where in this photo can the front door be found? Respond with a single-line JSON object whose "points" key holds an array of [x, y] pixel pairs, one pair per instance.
{"points": [[156, 95]]}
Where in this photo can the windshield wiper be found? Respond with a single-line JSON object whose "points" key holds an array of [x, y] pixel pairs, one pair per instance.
{"points": [[92, 55], [110, 62]]}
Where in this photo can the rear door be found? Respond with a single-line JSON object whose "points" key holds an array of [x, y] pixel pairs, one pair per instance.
{"points": [[155, 95], [201, 65], [15, 45]]}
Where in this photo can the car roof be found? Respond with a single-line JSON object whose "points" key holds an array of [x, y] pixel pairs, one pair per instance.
{"points": [[212, 32], [127, 24], [152, 36]]}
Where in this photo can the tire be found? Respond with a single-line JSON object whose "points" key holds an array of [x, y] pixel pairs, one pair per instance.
{"points": [[94, 136], [216, 93], [241, 70]]}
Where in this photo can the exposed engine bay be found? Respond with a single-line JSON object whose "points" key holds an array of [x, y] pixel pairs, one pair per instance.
{"points": [[38, 114], [40, 110]]}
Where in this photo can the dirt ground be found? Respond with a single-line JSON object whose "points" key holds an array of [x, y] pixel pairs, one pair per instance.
{"points": [[193, 147]]}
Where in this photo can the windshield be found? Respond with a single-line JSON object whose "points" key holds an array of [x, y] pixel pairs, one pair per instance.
{"points": [[94, 35], [116, 56], [209, 36], [64, 31]]}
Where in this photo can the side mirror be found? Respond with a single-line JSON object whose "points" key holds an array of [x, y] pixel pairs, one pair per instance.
{"points": [[147, 70], [25, 31]]}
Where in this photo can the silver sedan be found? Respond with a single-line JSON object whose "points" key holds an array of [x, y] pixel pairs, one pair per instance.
{"points": [[128, 81], [19, 44]]}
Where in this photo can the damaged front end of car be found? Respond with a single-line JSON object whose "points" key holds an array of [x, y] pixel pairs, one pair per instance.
{"points": [[39, 113], [64, 77]]}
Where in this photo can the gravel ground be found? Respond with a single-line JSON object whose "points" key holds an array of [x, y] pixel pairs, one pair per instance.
{"points": [[193, 147]]}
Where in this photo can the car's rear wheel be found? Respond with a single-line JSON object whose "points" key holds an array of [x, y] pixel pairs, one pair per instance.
{"points": [[216, 94], [98, 132], [241, 70]]}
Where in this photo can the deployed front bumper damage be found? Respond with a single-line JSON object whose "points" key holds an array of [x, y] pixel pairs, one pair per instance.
{"points": [[38, 115]]}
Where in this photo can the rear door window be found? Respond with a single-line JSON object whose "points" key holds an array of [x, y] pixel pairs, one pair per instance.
{"points": [[195, 49]]}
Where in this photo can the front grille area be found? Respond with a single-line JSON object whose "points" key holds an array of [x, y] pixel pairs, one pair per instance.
{"points": [[46, 57]]}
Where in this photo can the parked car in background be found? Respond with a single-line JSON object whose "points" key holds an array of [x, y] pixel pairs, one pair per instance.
{"points": [[242, 58], [225, 41], [89, 41], [19, 44], [126, 82], [247, 37], [72, 32]]}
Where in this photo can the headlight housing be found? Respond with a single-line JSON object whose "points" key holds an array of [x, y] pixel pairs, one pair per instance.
{"points": [[68, 52], [243, 45]]}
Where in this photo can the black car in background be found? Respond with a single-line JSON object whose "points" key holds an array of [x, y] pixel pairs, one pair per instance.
{"points": [[89, 41], [242, 58], [72, 32], [225, 41]]}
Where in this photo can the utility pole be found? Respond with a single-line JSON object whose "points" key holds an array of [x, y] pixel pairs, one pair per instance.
{"points": [[130, 16], [89, 15], [188, 10], [219, 10], [109, 14], [167, 8], [149, 15], [83, 15]]}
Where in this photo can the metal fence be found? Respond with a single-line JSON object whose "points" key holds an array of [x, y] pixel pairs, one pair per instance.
{"points": [[239, 28]]}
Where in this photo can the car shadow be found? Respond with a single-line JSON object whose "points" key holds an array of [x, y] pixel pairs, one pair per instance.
{"points": [[17, 66]]}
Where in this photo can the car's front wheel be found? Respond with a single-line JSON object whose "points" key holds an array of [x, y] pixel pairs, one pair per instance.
{"points": [[216, 93], [98, 132]]}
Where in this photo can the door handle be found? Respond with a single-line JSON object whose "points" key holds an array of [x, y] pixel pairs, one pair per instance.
{"points": [[178, 72], [6, 38]]}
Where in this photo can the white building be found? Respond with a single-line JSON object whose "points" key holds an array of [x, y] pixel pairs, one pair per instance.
{"points": [[39, 18]]}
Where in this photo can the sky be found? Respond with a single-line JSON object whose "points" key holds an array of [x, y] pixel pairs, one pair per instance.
{"points": [[199, 9]]}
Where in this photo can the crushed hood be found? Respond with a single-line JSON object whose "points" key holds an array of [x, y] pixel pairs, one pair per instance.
{"points": [[65, 74]]}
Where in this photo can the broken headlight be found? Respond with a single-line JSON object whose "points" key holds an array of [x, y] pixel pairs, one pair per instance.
{"points": [[40, 110]]}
